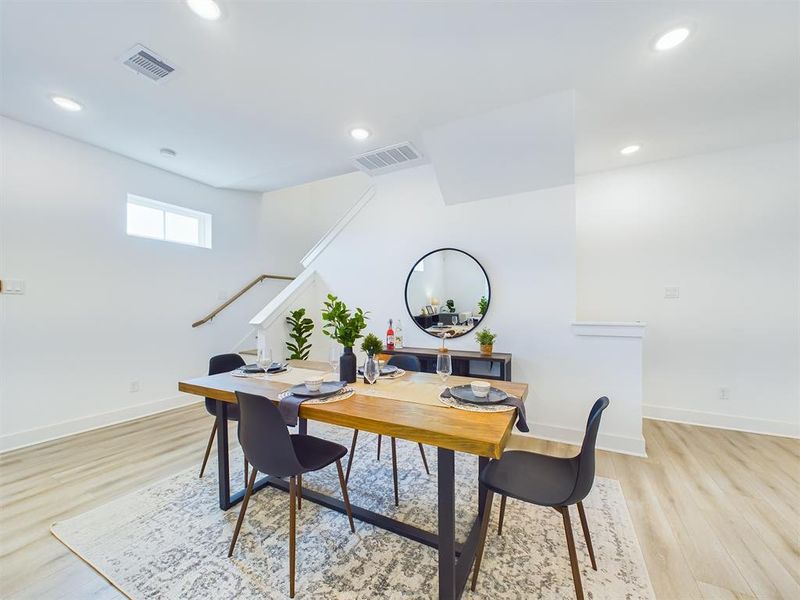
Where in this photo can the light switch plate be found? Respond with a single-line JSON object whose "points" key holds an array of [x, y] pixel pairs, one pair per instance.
{"points": [[672, 292], [13, 286]]}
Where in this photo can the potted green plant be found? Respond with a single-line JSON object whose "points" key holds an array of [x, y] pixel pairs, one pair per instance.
{"points": [[345, 327], [486, 340], [301, 330], [451, 306], [372, 345], [483, 304]]}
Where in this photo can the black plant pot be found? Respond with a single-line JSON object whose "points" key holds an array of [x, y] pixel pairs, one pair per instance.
{"points": [[347, 366]]}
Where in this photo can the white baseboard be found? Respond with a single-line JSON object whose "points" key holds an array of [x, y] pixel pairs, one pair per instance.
{"points": [[721, 421], [612, 443], [20, 439]]}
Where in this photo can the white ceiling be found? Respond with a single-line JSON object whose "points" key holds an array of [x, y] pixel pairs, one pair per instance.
{"points": [[265, 97]]}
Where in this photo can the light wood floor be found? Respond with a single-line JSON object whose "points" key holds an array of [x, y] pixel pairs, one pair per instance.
{"points": [[716, 512]]}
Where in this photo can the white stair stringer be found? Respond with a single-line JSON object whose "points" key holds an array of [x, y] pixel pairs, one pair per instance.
{"points": [[280, 304]]}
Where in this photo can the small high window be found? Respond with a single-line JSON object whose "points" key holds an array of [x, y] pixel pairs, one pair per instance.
{"points": [[161, 221]]}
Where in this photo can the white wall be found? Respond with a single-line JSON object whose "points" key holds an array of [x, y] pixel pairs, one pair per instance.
{"points": [[102, 309], [530, 261], [725, 228], [294, 219]]}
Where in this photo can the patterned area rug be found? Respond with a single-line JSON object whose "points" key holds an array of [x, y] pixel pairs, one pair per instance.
{"points": [[171, 540]]}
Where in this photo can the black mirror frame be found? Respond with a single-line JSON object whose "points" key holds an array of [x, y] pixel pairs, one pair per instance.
{"points": [[411, 272]]}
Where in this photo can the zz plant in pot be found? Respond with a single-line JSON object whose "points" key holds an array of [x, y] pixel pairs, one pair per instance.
{"points": [[486, 339], [345, 327], [302, 326]]}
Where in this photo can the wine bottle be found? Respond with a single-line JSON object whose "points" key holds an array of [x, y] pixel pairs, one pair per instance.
{"points": [[398, 335], [390, 337]]}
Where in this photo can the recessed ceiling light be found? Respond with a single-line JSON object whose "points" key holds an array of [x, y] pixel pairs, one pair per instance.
{"points": [[672, 38], [359, 133], [630, 149], [66, 103], [205, 9], [168, 152]]}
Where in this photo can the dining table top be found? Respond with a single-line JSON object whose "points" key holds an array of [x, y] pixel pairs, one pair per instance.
{"points": [[372, 408]]}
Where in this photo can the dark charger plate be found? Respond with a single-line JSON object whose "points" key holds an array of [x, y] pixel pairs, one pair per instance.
{"points": [[385, 370], [464, 393], [326, 389]]}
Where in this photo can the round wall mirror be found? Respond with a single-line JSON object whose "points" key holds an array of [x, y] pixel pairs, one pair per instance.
{"points": [[447, 293]]}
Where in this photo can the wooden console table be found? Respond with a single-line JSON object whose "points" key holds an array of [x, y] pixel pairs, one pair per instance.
{"points": [[461, 360]]}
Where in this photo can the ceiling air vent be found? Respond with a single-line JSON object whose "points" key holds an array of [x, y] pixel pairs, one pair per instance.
{"points": [[146, 62], [390, 158]]}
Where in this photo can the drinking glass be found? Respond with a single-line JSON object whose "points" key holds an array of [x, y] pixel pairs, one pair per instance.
{"points": [[444, 366], [372, 369], [333, 357], [264, 359]]}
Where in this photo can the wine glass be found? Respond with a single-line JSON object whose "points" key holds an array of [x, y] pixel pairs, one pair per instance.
{"points": [[264, 358], [333, 357], [444, 366], [372, 369]]}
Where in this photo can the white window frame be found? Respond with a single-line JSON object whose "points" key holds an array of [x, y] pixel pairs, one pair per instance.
{"points": [[204, 220]]}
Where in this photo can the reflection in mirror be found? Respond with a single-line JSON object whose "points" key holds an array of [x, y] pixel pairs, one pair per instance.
{"points": [[447, 293]]}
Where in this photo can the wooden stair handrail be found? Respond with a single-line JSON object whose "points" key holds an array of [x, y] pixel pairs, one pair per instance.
{"points": [[241, 292]]}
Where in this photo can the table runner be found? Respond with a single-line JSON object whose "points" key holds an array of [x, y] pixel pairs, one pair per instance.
{"points": [[403, 389]]}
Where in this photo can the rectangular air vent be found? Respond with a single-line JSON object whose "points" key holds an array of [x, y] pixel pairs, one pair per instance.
{"points": [[146, 62], [389, 158]]}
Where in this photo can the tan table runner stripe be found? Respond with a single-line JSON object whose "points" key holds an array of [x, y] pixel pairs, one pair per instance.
{"points": [[402, 388]]}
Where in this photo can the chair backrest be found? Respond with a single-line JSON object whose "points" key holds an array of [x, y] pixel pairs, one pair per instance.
{"points": [[264, 438], [585, 460], [221, 363], [407, 362]]}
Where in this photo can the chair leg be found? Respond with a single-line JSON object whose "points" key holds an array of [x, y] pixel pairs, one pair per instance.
{"points": [[586, 535], [247, 495], [424, 460], [292, 491], [345, 497], [208, 447], [573, 557], [246, 466], [394, 472], [380, 437], [352, 455], [482, 540], [502, 515], [299, 492]]}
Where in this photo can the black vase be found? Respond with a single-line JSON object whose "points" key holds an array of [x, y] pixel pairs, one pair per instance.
{"points": [[347, 366]]}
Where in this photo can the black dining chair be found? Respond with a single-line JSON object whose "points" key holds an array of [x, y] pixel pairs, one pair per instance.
{"points": [[222, 363], [271, 450], [546, 481], [407, 363]]}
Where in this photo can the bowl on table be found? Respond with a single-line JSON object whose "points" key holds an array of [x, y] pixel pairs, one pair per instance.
{"points": [[313, 383], [480, 388]]}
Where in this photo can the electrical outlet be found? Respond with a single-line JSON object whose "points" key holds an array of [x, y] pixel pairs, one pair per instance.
{"points": [[672, 292], [724, 393], [134, 387]]}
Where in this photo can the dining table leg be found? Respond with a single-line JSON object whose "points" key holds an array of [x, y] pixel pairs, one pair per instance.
{"points": [[482, 462], [447, 524], [223, 462]]}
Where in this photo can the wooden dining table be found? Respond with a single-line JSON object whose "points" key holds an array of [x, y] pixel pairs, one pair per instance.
{"points": [[401, 408]]}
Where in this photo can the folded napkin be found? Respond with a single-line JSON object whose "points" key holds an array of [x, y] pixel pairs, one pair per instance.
{"points": [[517, 403], [290, 406]]}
